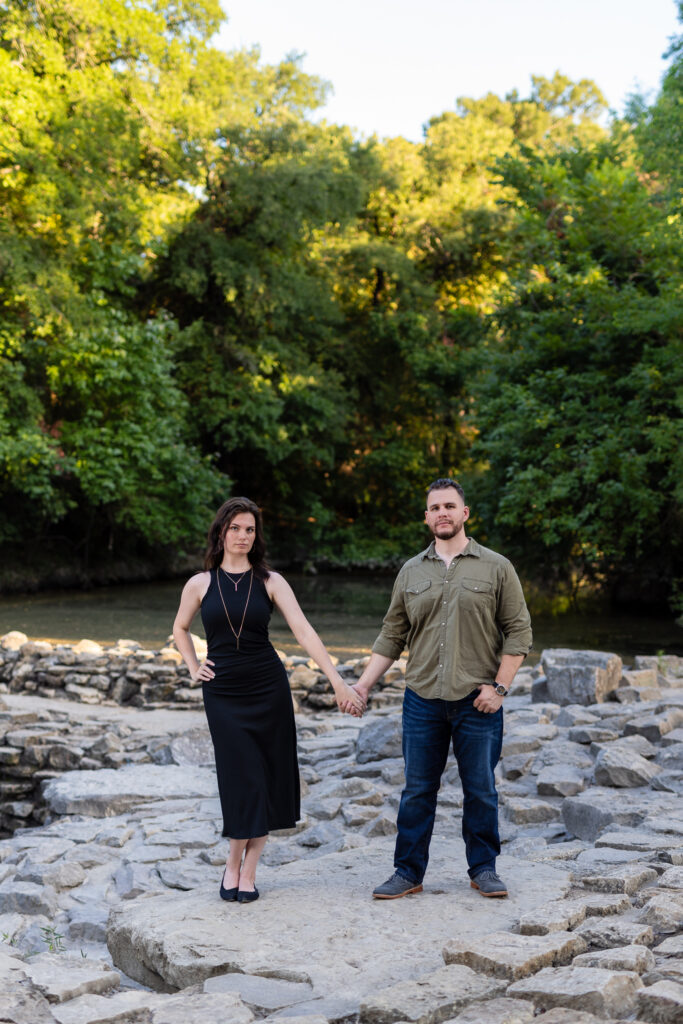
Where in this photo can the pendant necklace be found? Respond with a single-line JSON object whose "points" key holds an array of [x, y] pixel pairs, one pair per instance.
{"points": [[218, 581], [235, 582]]}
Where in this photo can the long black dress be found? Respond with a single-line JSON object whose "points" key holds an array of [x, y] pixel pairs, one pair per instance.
{"points": [[249, 710]]}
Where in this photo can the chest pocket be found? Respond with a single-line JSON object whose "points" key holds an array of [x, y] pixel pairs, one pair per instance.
{"points": [[475, 596], [477, 586], [418, 588]]}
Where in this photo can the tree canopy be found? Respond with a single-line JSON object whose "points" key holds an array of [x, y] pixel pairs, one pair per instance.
{"points": [[206, 291]]}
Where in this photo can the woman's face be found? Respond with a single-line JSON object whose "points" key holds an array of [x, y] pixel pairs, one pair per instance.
{"points": [[240, 534]]}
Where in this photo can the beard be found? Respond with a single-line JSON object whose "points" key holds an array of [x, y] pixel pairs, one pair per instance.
{"points": [[447, 531]]}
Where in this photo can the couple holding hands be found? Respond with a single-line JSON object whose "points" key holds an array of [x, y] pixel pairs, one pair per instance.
{"points": [[459, 608]]}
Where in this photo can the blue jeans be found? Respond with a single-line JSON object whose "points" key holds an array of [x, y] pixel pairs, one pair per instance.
{"points": [[429, 726]]}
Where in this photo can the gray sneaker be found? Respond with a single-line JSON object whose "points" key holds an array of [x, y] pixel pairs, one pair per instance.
{"points": [[489, 884], [395, 887]]}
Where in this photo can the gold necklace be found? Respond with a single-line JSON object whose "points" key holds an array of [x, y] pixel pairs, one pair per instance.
{"points": [[218, 581], [231, 579]]}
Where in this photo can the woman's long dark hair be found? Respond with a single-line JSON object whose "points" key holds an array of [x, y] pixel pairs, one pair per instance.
{"points": [[225, 515]]}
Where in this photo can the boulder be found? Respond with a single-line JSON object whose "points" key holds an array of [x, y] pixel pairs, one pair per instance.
{"points": [[580, 677], [623, 769], [379, 739]]}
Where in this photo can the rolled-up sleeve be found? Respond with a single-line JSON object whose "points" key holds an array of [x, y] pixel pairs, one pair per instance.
{"points": [[392, 638], [513, 615]]}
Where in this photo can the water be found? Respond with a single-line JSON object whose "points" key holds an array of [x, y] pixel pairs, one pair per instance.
{"points": [[346, 611]]}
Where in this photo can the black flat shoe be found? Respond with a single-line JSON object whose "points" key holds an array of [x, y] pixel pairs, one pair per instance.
{"points": [[228, 894], [247, 897]]}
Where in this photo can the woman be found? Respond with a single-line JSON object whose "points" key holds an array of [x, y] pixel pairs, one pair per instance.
{"points": [[245, 687]]}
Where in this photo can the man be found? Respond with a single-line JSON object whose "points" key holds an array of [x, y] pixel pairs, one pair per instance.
{"points": [[460, 610]]}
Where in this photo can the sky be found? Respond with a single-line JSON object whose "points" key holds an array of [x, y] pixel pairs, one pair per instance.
{"points": [[393, 64]]}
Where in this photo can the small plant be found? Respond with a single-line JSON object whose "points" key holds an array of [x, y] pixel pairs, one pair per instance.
{"points": [[53, 939], [10, 940]]}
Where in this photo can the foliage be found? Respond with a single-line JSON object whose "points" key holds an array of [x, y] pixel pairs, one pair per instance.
{"points": [[579, 398], [204, 291]]}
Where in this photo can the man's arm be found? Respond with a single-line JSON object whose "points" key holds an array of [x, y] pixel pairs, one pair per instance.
{"points": [[513, 619], [488, 700], [389, 644]]}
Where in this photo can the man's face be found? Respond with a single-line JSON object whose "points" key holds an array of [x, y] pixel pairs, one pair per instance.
{"points": [[446, 513]]}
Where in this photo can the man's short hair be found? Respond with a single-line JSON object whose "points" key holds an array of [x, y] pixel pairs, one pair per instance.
{"points": [[442, 483]]}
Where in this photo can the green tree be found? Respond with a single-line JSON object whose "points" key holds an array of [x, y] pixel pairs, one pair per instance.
{"points": [[111, 118], [579, 397]]}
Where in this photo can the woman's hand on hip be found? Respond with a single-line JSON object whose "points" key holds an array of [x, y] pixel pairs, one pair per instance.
{"points": [[204, 673]]}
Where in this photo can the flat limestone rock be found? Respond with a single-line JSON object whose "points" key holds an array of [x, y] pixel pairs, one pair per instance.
{"points": [[201, 1006], [27, 898], [560, 780], [622, 958], [672, 878], [530, 811], [497, 1011], [121, 1007], [598, 861], [627, 878], [303, 1018], [110, 791], [671, 947], [661, 1002], [632, 839], [663, 912], [605, 905], [431, 998], [552, 917], [615, 931], [593, 989], [174, 939], [61, 977], [561, 1016], [506, 955], [263, 993]]}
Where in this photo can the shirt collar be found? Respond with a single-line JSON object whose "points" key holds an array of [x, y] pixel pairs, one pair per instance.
{"points": [[472, 549]]}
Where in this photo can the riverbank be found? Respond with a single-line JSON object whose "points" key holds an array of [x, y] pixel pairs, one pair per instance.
{"points": [[110, 911]]}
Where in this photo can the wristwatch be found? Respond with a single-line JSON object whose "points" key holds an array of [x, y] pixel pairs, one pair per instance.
{"points": [[499, 688]]}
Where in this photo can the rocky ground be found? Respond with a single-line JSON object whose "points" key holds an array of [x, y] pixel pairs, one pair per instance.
{"points": [[109, 911]]}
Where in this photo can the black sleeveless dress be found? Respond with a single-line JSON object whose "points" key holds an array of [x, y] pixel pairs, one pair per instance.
{"points": [[250, 714]]}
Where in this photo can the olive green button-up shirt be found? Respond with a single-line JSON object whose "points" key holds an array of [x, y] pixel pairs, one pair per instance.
{"points": [[455, 621]]}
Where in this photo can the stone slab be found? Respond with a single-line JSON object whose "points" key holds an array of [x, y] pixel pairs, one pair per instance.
{"points": [[178, 939], [506, 955], [431, 998], [258, 992], [497, 1011], [627, 878], [661, 1003], [593, 989], [604, 933], [60, 977], [663, 912], [108, 791], [620, 958]]}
